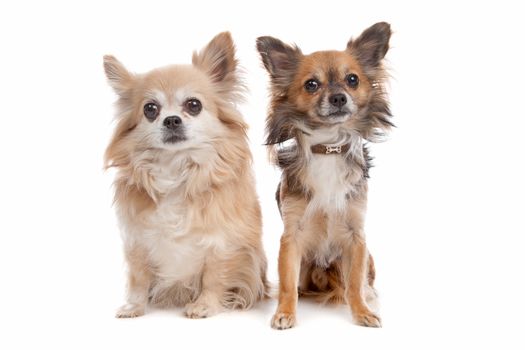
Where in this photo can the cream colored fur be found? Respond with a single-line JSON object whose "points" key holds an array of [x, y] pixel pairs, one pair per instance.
{"points": [[189, 214]]}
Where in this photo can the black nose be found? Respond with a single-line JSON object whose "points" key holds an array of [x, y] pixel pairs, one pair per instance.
{"points": [[337, 100], [172, 122]]}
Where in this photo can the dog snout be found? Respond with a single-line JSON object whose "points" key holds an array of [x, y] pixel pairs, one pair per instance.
{"points": [[172, 122], [337, 100]]}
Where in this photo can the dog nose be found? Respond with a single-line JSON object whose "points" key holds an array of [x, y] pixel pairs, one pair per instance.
{"points": [[337, 100], [172, 122]]}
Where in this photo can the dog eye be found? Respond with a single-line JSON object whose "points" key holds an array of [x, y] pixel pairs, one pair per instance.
{"points": [[352, 80], [311, 85], [151, 111], [193, 106]]}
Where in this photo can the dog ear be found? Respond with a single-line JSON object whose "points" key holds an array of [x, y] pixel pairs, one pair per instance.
{"points": [[217, 59], [279, 59], [372, 45], [119, 77]]}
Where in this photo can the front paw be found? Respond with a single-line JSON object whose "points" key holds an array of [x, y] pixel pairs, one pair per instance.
{"points": [[199, 310], [367, 319], [283, 320], [130, 310]]}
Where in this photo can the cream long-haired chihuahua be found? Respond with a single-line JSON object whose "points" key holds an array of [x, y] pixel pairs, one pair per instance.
{"points": [[184, 188]]}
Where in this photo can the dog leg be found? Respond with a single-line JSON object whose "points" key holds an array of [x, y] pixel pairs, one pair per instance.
{"points": [[139, 281], [289, 266], [209, 301], [355, 266]]}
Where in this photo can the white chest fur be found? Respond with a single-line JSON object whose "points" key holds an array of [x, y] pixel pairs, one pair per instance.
{"points": [[327, 177], [176, 247], [176, 252]]}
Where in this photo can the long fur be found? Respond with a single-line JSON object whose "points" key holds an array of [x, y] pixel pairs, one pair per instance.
{"points": [[322, 198], [190, 217]]}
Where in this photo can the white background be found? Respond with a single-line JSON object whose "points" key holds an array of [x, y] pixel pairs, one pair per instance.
{"points": [[445, 220]]}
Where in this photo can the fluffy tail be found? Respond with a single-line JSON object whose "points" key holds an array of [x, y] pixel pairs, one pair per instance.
{"points": [[251, 284]]}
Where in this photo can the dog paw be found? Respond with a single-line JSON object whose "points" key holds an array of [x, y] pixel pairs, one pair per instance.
{"points": [[283, 320], [368, 319], [130, 310], [199, 310]]}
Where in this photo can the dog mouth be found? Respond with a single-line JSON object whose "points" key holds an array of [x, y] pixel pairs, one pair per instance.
{"points": [[335, 117], [338, 114], [173, 137]]}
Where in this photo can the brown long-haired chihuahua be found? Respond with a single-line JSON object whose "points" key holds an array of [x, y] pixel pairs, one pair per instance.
{"points": [[326, 105]]}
